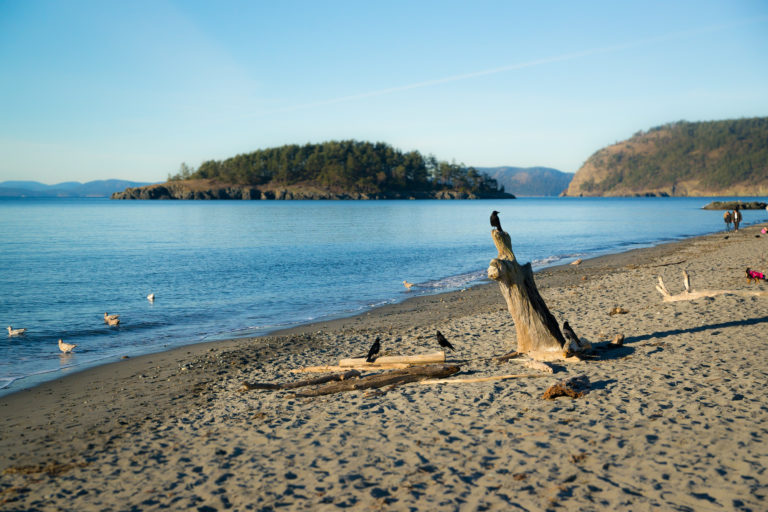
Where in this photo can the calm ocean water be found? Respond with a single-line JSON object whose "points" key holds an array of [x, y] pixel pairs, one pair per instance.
{"points": [[223, 269]]}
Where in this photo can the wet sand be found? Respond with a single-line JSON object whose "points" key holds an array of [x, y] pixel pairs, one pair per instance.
{"points": [[677, 419]]}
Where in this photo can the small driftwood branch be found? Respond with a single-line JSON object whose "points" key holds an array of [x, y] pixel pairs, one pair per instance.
{"points": [[433, 358], [507, 356], [368, 367], [691, 294], [350, 374], [380, 380], [483, 379]]}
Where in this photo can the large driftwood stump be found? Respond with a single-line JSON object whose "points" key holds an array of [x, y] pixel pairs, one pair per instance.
{"points": [[538, 333]]}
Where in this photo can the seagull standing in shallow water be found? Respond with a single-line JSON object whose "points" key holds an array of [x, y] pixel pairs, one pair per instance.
{"points": [[66, 347], [108, 317], [15, 332]]}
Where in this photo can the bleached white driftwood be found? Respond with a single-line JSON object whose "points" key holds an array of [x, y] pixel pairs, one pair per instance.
{"points": [[691, 294], [433, 358], [538, 333]]}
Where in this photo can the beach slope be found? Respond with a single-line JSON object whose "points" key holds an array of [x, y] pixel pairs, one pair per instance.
{"points": [[675, 419]]}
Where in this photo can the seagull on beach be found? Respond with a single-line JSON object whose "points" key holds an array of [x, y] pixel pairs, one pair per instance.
{"points": [[570, 336], [151, 297], [407, 284], [15, 332], [371, 357], [66, 347], [108, 318], [495, 220], [443, 342]]}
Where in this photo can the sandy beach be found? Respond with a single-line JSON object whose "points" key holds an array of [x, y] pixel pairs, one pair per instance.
{"points": [[676, 419]]}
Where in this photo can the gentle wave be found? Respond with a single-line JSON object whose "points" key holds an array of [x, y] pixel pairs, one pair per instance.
{"points": [[452, 282]]}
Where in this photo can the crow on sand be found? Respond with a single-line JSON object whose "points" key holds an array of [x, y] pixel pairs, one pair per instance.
{"points": [[371, 357], [495, 220], [443, 342], [570, 336]]}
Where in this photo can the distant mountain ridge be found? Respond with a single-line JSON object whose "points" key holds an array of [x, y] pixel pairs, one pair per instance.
{"points": [[529, 181], [97, 188], [713, 158]]}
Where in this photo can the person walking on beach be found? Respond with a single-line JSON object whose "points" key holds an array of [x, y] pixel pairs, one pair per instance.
{"points": [[736, 217], [727, 220]]}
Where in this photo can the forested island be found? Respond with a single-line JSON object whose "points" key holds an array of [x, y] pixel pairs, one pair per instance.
{"points": [[331, 170], [715, 158]]}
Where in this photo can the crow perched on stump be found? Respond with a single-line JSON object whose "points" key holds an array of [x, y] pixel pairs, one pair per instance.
{"points": [[371, 357], [495, 220], [443, 342]]}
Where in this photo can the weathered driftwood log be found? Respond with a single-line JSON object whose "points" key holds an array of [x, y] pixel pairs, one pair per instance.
{"points": [[366, 367], [349, 374], [433, 358], [538, 333], [482, 379], [691, 294], [414, 374]]}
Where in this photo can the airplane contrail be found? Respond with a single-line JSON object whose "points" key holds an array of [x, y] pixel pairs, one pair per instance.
{"points": [[523, 65]]}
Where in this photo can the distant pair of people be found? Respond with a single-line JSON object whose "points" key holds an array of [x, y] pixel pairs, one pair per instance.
{"points": [[732, 217]]}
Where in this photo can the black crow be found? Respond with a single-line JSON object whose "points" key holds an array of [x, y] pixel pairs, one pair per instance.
{"points": [[570, 336], [443, 342], [371, 357], [495, 220]]}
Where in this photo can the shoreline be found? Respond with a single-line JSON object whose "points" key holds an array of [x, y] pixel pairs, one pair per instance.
{"points": [[334, 319], [110, 434], [338, 321]]}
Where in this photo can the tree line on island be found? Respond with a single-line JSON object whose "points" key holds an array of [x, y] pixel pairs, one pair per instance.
{"points": [[343, 166]]}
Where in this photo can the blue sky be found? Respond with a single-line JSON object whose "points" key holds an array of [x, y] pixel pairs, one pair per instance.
{"points": [[106, 89]]}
